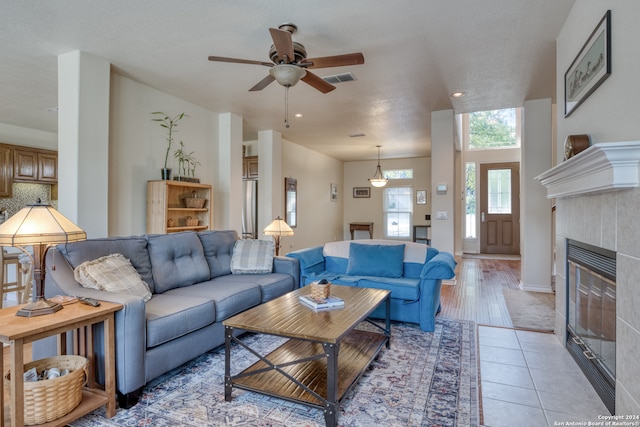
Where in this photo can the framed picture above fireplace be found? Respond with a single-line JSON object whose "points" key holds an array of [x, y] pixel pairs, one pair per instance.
{"points": [[590, 68]]}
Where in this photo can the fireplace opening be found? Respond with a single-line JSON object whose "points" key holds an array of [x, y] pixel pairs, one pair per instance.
{"points": [[591, 315]]}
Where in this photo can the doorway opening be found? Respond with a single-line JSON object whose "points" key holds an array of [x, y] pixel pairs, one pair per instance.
{"points": [[491, 202]]}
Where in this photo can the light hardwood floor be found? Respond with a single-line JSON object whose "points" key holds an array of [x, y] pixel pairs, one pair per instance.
{"points": [[477, 293]]}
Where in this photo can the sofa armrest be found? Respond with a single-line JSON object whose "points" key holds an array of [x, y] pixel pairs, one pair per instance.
{"points": [[311, 261], [291, 266], [441, 266], [130, 323]]}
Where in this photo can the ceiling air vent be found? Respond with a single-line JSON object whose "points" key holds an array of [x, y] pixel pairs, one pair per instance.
{"points": [[340, 78]]}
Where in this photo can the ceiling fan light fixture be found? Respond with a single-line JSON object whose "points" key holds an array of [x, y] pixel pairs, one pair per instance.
{"points": [[286, 74], [378, 179]]}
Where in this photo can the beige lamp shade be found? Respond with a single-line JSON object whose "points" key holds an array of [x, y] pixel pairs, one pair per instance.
{"points": [[278, 228], [39, 224]]}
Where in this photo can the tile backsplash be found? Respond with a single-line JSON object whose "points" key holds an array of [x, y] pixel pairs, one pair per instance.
{"points": [[27, 194]]}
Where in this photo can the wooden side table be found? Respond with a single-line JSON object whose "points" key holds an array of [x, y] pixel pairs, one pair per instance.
{"points": [[18, 331], [363, 226]]}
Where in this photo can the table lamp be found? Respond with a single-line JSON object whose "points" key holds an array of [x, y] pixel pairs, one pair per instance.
{"points": [[278, 228], [39, 225]]}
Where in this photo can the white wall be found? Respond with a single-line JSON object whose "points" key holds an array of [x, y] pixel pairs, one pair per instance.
{"points": [[83, 140], [28, 137], [535, 209], [319, 219], [610, 220], [137, 146], [356, 174], [443, 172]]}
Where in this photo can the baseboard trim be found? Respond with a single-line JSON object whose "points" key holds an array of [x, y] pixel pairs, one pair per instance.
{"points": [[531, 287]]}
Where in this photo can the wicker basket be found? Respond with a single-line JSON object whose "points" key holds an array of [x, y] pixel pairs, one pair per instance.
{"points": [[320, 291], [48, 400], [191, 222], [194, 202]]}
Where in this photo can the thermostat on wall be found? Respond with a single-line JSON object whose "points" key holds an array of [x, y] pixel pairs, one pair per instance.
{"points": [[441, 189]]}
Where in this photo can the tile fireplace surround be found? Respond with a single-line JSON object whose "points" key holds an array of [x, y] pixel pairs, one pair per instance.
{"points": [[597, 197]]}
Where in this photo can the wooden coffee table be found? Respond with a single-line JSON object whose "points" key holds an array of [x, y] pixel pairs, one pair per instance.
{"points": [[325, 355]]}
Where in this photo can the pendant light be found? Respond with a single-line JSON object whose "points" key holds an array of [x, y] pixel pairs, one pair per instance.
{"points": [[378, 179]]}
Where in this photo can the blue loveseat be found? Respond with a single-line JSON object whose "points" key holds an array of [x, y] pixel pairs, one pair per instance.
{"points": [[413, 273]]}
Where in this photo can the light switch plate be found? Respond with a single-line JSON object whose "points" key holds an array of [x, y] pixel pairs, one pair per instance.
{"points": [[442, 215]]}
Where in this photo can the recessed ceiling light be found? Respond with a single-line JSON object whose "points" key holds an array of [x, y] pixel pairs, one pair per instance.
{"points": [[356, 135], [457, 94], [298, 115]]}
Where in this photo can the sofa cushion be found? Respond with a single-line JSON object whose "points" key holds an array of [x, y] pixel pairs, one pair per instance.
{"points": [[112, 273], [229, 296], [271, 285], [218, 248], [375, 260], [172, 316], [177, 260], [134, 248], [401, 288], [252, 257]]}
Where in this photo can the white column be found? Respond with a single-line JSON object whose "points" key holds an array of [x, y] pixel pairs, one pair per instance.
{"points": [[228, 200], [535, 209], [83, 140], [270, 179], [442, 173]]}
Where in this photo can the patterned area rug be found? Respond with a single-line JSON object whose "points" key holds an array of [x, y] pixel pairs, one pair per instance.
{"points": [[424, 379]]}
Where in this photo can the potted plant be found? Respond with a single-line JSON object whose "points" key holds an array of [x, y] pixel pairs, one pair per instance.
{"points": [[169, 123], [193, 163], [186, 165]]}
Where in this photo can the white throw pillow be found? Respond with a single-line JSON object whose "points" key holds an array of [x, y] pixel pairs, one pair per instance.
{"points": [[112, 273], [252, 257]]}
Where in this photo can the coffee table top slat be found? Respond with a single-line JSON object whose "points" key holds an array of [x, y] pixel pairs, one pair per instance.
{"points": [[287, 316]]}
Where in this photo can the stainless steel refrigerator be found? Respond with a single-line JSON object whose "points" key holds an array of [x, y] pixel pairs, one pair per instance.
{"points": [[250, 209]]}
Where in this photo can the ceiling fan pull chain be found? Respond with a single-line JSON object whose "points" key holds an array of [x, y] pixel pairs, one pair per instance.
{"points": [[286, 107]]}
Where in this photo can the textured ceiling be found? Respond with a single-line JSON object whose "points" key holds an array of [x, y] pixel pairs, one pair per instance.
{"points": [[417, 52]]}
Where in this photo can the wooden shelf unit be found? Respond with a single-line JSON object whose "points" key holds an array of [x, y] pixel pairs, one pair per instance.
{"points": [[165, 200]]}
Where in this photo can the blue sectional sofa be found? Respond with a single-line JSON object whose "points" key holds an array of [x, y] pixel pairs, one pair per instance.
{"points": [[192, 289], [413, 273]]}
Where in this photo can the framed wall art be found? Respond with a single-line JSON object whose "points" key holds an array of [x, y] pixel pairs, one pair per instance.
{"points": [[291, 202], [333, 192], [590, 68], [421, 197], [361, 192]]}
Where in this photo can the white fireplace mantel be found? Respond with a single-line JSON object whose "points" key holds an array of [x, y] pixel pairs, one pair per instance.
{"points": [[601, 167]]}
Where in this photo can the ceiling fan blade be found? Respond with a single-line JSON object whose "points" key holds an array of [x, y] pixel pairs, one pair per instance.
{"points": [[283, 43], [262, 83], [239, 61], [317, 82], [336, 60]]}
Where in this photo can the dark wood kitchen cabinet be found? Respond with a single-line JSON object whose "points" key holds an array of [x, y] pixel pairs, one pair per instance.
{"points": [[6, 170], [35, 165]]}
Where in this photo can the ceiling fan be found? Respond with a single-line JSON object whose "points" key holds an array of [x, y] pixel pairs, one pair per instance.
{"points": [[290, 63]]}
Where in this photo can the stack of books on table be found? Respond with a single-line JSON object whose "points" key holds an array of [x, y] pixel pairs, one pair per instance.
{"points": [[329, 303]]}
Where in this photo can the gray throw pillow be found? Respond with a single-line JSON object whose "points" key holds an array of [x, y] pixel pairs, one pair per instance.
{"points": [[252, 257]]}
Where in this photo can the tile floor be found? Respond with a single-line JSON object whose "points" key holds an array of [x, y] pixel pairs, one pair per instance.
{"points": [[529, 379]]}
